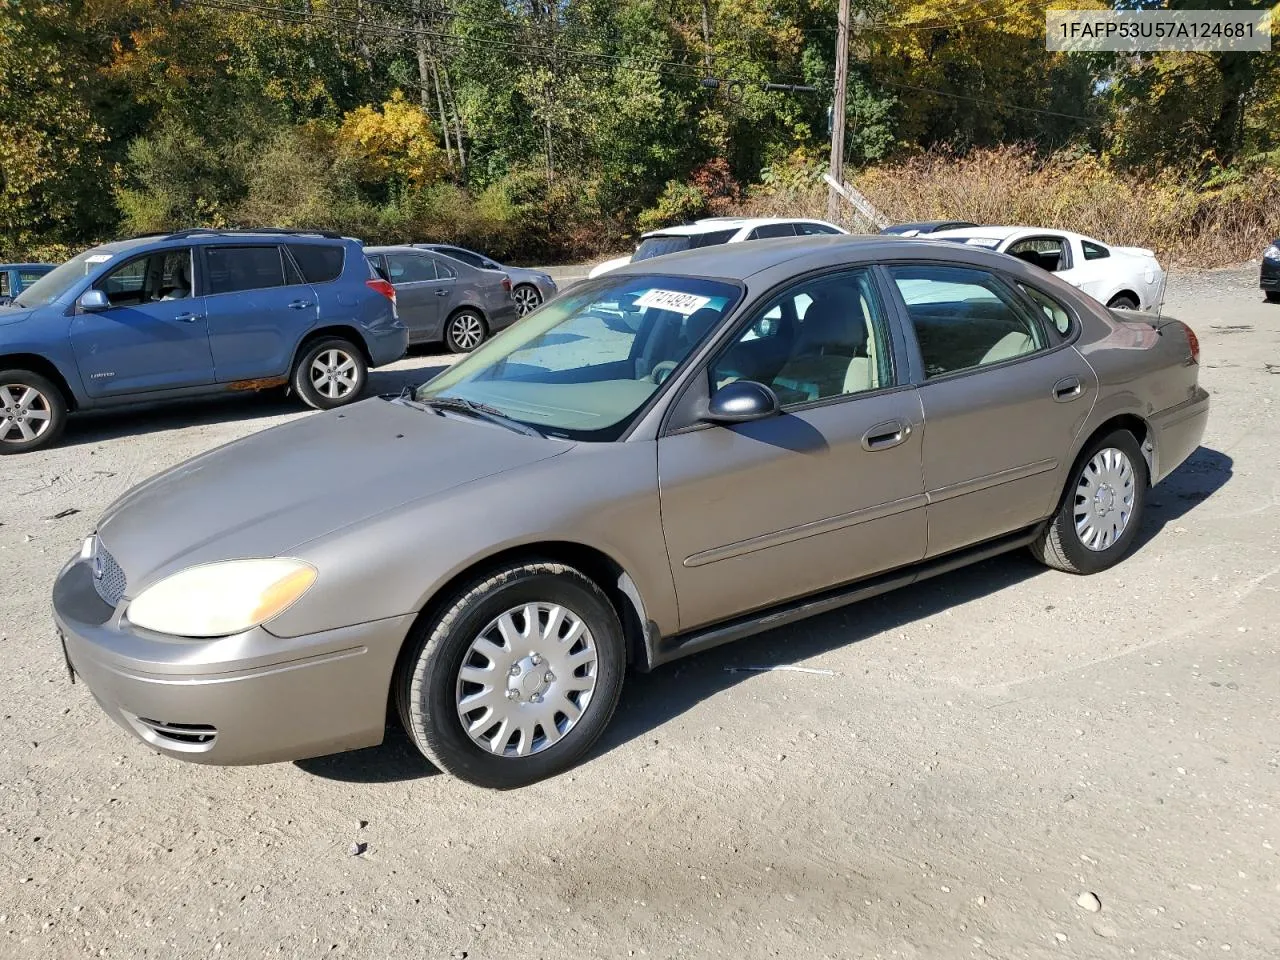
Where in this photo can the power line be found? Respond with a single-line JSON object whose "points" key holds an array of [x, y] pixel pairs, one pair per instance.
{"points": [[995, 103]]}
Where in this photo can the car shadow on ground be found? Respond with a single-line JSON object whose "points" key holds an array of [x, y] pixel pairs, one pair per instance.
{"points": [[101, 425], [652, 699]]}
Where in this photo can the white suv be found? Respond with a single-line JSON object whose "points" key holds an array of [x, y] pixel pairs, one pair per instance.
{"points": [[716, 230]]}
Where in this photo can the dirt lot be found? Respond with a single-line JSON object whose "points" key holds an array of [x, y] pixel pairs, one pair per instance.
{"points": [[989, 747]]}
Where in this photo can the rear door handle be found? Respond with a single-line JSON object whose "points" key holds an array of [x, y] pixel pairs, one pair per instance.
{"points": [[884, 436], [300, 304], [188, 317], [442, 293], [1067, 389]]}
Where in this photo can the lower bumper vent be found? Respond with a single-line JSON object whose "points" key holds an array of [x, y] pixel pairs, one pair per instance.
{"points": [[187, 735]]}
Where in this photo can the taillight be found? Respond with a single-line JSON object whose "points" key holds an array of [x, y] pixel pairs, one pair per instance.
{"points": [[506, 284], [383, 287], [1194, 342]]}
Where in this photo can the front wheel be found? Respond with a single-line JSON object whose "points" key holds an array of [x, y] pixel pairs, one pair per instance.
{"points": [[329, 373], [1101, 509], [465, 331], [527, 298], [32, 411], [516, 679]]}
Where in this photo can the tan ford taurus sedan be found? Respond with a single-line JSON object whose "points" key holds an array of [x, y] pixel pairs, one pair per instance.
{"points": [[676, 455]]}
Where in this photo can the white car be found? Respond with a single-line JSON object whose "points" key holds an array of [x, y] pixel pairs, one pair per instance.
{"points": [[1127, 277], [716, 230]]}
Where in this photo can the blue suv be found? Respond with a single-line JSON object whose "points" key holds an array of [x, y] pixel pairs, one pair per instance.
{"points": [[188, 314]]}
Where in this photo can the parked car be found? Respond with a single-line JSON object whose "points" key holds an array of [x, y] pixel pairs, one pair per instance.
{"points": [[442, 299], [712, 232], [791, 427], [1125, 277], [192, 313], [920, 227], [530, 289], [16, 277], [1269, 276]]}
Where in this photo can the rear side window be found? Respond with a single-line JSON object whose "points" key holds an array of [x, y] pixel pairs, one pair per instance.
{"points": [[1053, 311], [1094, 251], [4, 283], [27, 277], [443, 270], [964, 318], [319, 262], [232, 269], [713, 239], [768, 230], [815, 230]]}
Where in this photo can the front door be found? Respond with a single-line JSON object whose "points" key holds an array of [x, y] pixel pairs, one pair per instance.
{"points": [[417, 297], [1004, 398], [154, 336], [826, 493], [259, 307]]}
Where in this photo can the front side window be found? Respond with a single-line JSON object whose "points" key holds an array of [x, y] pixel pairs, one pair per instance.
{"points": [[584, 365], [466, 256], [1047, 253], [232, 269], [1094, 251], [826, 337], [964, 318], [163, 275], [410, 268]]}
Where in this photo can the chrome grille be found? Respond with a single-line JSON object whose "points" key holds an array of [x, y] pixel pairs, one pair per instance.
{"points": [[108, 578]]}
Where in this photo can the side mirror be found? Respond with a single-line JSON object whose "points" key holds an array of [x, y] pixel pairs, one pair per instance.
{"points": [[741, 402], [93, 301]]}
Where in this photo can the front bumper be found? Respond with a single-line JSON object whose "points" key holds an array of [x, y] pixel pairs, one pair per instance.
{"points": [[249, 698], [1269, 275]]}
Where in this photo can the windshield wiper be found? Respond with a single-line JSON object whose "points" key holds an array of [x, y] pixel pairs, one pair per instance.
{"points": [[481, 411]]}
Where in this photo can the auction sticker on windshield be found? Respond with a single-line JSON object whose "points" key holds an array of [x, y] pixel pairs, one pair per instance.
{"points": [[673, 300]]}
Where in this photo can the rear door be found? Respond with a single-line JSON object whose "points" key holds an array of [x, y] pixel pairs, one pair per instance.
{"points": [[828, 492], [259, 307], [1004, 396], [418, 293], [154, 336]]}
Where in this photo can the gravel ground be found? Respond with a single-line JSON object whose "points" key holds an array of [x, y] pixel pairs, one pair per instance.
{"points": [[1004, 762]]}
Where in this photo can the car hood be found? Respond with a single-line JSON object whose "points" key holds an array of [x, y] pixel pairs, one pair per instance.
{"points": [[269, 493], [12, 314], [602, 268]]}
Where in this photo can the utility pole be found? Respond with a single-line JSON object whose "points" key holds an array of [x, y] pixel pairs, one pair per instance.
{"points": [[837, 110]]}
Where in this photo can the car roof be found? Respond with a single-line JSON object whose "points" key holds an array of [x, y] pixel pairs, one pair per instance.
{"points": [[26, 266], [716, 224], [739, 261]]}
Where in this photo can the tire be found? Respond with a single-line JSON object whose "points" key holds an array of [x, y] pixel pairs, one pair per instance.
{"points": [[1123, 302], [33, 411], [527, 298], [1066, 541], [1273, 296], [465, 330], [500, 753], [319, 379]]}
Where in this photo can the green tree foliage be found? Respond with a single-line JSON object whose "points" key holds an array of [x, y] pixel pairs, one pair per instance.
{"points": [[550, 129]]}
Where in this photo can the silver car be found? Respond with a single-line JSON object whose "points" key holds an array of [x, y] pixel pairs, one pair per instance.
{"points": [[529, 288], [782, 428], [444, 300]]}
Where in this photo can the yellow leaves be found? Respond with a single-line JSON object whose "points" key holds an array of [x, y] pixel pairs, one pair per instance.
{"points": [[396, 142]]}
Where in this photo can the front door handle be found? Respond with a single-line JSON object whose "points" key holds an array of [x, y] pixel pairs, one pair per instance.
{"points": [[300, 304], [188, 317], [1067, 389], [442, 293], [884, 436]]}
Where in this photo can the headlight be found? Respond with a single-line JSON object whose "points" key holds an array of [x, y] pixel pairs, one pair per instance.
{"points": [[1271, 253], [217, 599]]}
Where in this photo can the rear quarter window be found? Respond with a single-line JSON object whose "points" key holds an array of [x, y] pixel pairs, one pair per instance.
{"points": [[319, 262]]}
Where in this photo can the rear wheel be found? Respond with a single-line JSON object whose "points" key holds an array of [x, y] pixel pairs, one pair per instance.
{"points": [[1101, 510], [329, 373], [1123, 302], [33, 411], [516, 679], [464, 331]]}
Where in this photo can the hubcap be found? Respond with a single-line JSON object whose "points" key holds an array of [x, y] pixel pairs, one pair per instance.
{"points": [[526, 680], [1104, 499], [527, 300], [334, 374], [468, 331], [25, 413]]}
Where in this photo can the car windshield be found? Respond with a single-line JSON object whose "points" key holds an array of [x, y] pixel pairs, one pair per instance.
{"points": [[59, 280], [584, 365], [660, 246]]}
